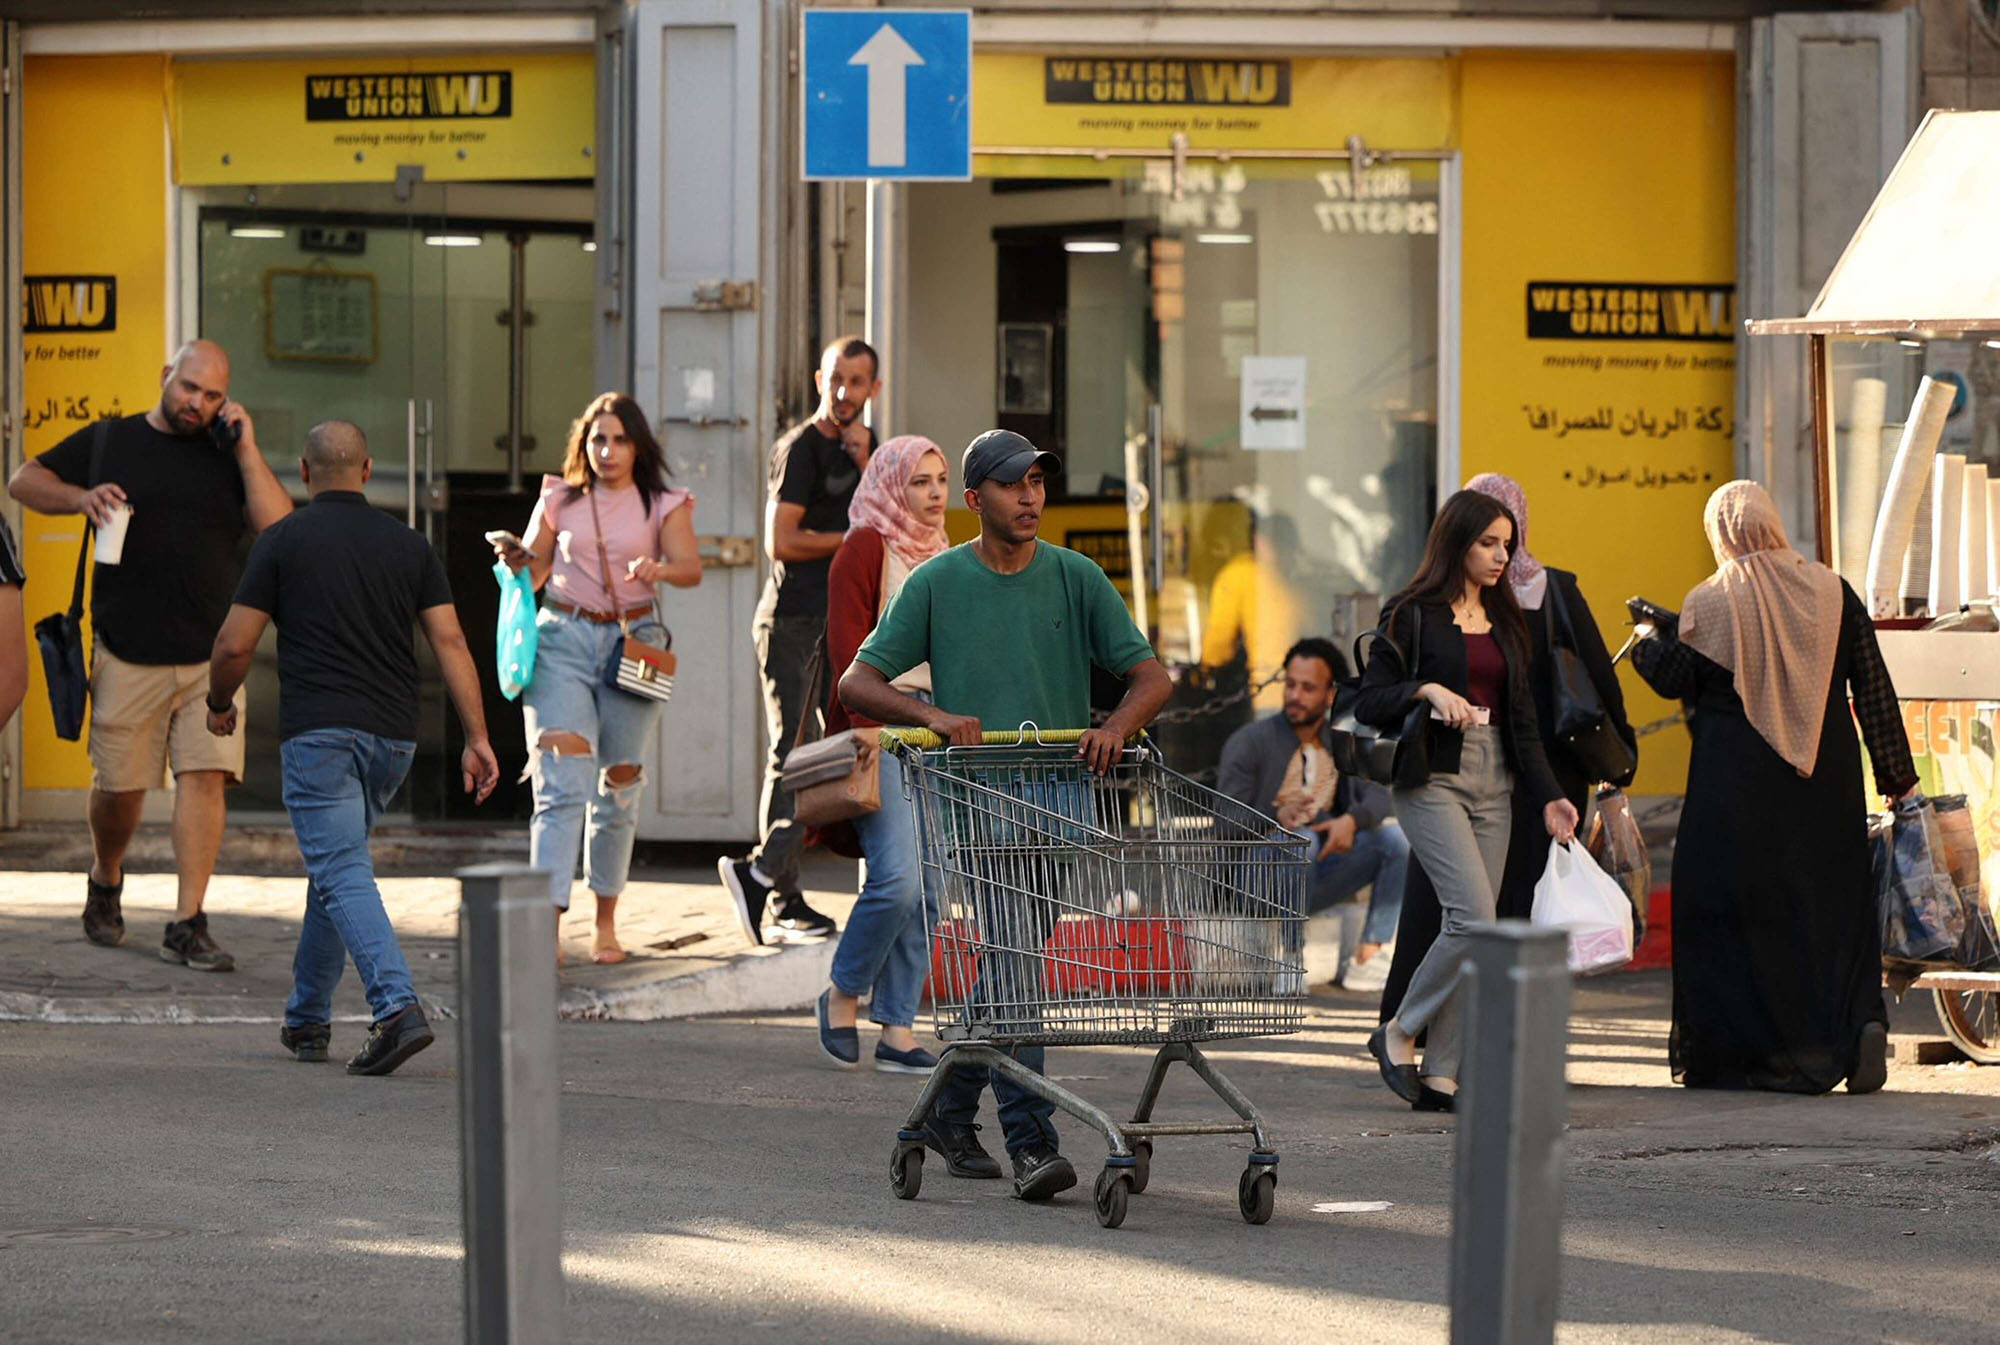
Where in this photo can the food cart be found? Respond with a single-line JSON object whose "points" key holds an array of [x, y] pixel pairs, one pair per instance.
{"points": [[1905, 397]]}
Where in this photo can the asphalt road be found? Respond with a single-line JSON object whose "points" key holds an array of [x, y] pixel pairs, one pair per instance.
{"points": [[193, 1184]]}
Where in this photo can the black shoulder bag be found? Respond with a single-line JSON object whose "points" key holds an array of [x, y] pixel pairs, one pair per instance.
{"points": [[60, 634], [1583, 724], [1401, 757]]}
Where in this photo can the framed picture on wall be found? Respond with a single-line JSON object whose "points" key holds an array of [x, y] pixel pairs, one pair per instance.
{"points": [[319, 315], [1026, 354]]}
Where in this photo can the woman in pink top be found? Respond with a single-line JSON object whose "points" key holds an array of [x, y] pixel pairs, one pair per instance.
{"points": [[604, 535]]}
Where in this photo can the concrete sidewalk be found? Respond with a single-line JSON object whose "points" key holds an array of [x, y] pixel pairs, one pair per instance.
{"points": [[687, 954]]}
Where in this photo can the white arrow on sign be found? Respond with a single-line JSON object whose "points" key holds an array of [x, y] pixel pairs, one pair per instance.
{"points": [[888, 59]]}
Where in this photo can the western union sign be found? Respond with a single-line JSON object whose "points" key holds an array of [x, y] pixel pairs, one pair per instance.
{"points": [[484, 93], [1586, 310], [69, 304], [1156, 82], [470, 117]]}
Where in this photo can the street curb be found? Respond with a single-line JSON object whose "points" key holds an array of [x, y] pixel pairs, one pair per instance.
{"points": [[772, 980]]}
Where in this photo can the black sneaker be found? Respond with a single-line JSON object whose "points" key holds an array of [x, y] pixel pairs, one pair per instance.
{"points": [[103, 920], [749, 895], [392, 1041], [964, 1155], [188, 941], [307, 1041], [797, 922], [1041, 1172]]}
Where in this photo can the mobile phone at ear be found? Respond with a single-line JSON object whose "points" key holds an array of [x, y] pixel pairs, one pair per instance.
{"points": [[225, 433]]}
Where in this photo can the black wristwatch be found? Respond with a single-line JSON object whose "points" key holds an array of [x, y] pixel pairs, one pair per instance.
{"points": [[221, 709]]}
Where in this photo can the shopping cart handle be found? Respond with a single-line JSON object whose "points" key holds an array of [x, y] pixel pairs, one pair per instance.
{"points": [[926, 741]]}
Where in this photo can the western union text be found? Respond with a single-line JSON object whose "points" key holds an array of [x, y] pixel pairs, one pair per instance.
{"points": [[430, 97], [1156, 82], [1576, 310]]}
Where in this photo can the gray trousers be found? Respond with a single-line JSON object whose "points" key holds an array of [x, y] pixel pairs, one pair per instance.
{"points": [[784, 647], [1458, 827]]}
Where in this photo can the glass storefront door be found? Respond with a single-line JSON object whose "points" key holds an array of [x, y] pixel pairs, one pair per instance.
{"points": [[415, 324]]}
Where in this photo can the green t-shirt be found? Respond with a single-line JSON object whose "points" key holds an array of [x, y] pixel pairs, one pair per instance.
{"points": [[1008, 648]]}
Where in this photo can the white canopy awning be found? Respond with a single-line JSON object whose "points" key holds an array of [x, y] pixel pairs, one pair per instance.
{"points": [[1926, 259]]}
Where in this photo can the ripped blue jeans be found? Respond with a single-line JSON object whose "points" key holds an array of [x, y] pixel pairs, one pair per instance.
{"points": [[577, 808]]}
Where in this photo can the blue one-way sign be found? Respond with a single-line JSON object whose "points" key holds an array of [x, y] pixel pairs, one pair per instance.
{"points": [[888, 94]]}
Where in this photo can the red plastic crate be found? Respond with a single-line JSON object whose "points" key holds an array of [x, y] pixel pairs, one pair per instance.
{"points": [[1098, 955]]}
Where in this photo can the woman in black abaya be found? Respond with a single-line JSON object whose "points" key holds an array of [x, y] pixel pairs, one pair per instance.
{"points": [[1777, 944]]}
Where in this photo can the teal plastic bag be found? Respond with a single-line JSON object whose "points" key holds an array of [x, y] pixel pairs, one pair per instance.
{"points": [[514, 635]]}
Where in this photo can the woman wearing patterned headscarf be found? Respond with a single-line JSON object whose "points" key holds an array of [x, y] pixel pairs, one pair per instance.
{"points": [[1557, 614], [1777, 945], [895, 524]]}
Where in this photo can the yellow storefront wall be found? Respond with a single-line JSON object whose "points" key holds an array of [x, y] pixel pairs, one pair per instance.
{"points": [[94, 207], [1591, 178]]}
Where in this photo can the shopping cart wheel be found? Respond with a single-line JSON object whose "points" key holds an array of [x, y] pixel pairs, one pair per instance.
{"points": [[906, 1169], [1257, 1193], [1114, 1187], [1142, 1171]]}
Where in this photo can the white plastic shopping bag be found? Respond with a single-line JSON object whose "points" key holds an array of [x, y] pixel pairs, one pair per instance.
{"points": [[1575, 895]]}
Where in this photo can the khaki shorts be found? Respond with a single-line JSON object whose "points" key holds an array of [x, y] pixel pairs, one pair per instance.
{"points": [[143, 717]]}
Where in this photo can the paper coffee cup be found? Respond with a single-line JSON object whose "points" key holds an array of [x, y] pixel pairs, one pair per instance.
{"points": [[111, 535]]}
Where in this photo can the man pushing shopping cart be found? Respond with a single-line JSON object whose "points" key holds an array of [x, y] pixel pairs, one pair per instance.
{"points": [[1011, 627]]}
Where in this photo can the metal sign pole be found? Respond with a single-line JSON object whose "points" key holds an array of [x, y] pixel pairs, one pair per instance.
{"points": [[1506, 1228], [509, 1145]]}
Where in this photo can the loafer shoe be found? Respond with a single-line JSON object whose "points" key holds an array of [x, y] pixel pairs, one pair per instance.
{"points": [[1402, 1079], [392, 1041], [841, 1045], [308, 1041], [914, 1061], [964, 1155], [1040, 1172], [1434, 1099]]}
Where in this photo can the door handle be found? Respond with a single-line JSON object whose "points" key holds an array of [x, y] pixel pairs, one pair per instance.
{"points": [[724, 553], [410, 463], [437, 495]]}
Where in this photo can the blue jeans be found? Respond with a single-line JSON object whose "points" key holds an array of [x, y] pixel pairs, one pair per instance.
{"points": [[1380, 856], [577, 808], [336, 783], [886, 947], [1020, 922]]}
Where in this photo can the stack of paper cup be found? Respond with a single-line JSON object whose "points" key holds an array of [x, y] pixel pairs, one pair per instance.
{"points": [[1947, 514], [1972, 572], [111, 535], [1860, 476], [1905, 496]]}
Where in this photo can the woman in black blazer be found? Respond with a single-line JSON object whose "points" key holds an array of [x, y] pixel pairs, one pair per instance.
{"points": [[1462, 648], [1542, 591]]}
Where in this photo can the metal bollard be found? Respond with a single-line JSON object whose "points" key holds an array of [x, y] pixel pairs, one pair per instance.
{"points": [[1506, 1227], [509, 1146]]}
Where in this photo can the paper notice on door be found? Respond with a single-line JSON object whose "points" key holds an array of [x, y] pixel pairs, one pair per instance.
{"points": [[1273, 412]]}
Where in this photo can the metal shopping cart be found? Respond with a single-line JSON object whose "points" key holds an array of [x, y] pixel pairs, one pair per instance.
{"points": [[1133, 908]]}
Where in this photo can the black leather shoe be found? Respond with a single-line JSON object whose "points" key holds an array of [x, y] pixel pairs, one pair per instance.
{"points": [[103, 919], [308, 1041], [1402, 1079], [1433, 1099], [964, 1155], [392, 1041], [1041, 1172], [1871, 1060]]}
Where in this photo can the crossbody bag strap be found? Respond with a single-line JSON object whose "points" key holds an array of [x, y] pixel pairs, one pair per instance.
{"points": [[604, 564], [812, 716], [98, 434]]}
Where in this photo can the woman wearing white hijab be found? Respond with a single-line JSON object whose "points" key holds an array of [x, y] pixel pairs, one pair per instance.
{"points": [[1777, 943]]}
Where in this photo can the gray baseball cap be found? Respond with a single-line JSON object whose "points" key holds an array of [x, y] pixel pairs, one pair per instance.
{"points": [[1005, 457]]}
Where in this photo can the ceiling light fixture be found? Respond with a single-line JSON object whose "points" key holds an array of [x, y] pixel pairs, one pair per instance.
{"points": [[254, 231], [1237, 239], [1090, 245], [590, 245], [454, 240]]}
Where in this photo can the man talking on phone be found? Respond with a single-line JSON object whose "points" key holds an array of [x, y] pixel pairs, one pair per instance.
{"points": [[182, 484]]}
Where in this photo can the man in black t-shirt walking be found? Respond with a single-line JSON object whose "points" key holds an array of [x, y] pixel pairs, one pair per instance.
{"points": [[345, 583], [194, 481], [814, 470], [13, 627]]}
